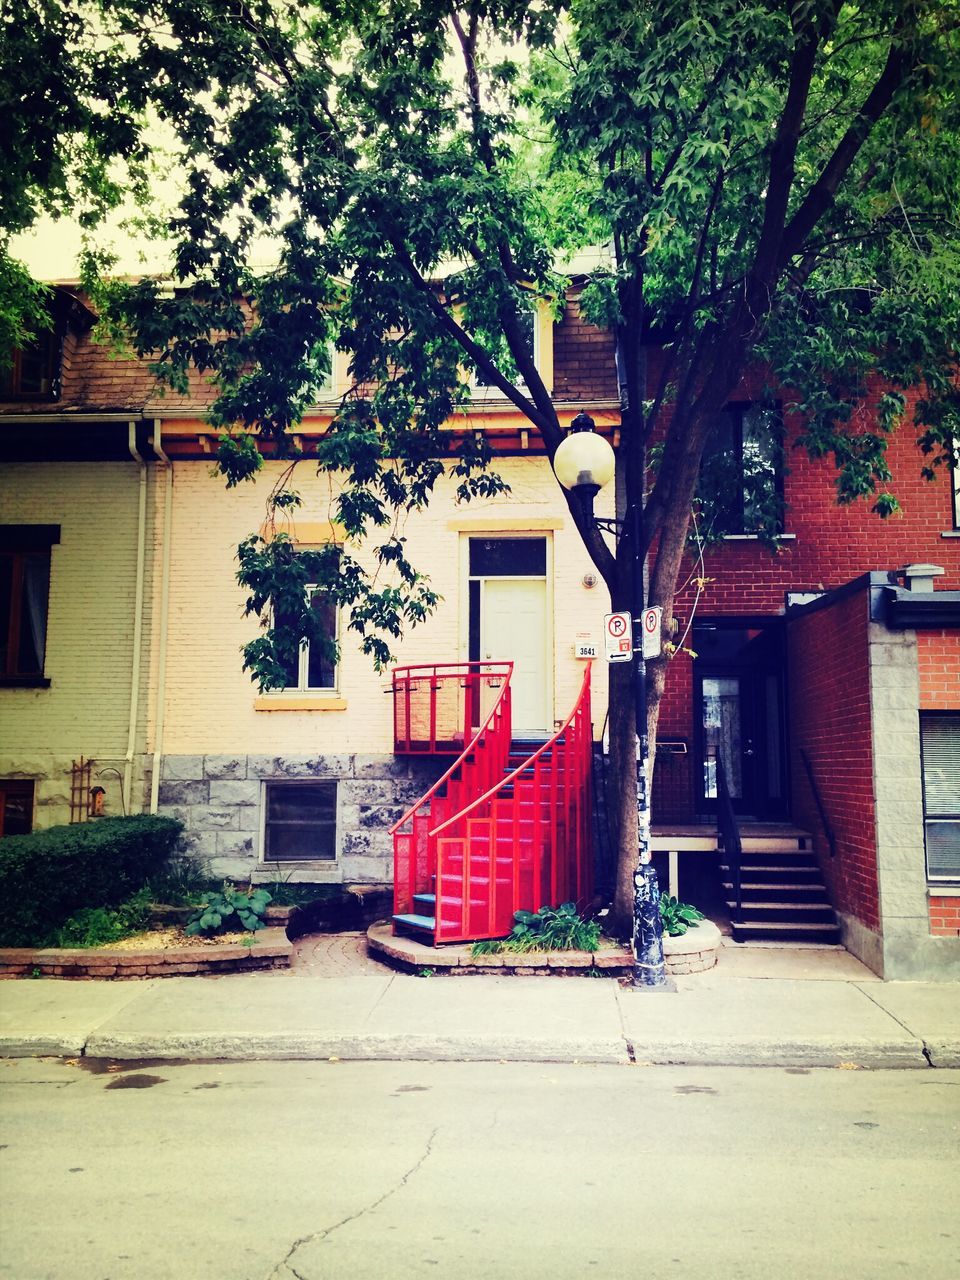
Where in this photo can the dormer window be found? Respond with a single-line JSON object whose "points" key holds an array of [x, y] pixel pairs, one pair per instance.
{"points": [[33, 370], [538, 332]]}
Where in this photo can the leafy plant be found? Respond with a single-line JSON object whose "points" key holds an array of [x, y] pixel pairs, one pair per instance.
{"points": [[549, 929], [229, 909], [677, 917], [96, 926]]}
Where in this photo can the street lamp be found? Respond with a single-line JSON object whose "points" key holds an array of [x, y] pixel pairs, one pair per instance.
{"points": [[583, 463]]}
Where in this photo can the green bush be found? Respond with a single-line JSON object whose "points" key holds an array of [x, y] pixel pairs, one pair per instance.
{"points": [[50, 875]]}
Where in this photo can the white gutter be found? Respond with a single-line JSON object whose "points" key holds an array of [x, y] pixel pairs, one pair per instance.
{"points": [[137, 616], [161, 704], [59, 419]]}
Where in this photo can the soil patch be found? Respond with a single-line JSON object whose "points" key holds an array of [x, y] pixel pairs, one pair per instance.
{"points": [[171, 938]]}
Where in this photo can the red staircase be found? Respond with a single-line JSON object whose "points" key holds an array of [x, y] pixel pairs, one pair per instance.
{"points": [[508, 826]]}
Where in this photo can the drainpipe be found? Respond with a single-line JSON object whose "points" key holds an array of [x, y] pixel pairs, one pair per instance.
{"points": [[137, 616], [161, 704]]}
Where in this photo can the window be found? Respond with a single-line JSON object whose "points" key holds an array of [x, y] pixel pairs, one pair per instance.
{"points": [[16, 807], [741, 474], [955, 474], [537, 324], [24, 590], [314, 665], [940, 765], [32, 371], [300, 822]]}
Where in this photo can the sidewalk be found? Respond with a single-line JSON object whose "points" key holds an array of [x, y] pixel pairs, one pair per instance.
{"points": [[836, 1014]]}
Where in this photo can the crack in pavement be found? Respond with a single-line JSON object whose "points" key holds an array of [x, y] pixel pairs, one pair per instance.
{"points": [[315, 1237]]}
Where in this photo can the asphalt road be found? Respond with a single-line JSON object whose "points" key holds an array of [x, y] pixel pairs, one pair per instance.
{"points": [[303, 1169]]}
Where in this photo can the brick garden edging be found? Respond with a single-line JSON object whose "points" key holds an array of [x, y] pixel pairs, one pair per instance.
{"points": [[269, 950]]}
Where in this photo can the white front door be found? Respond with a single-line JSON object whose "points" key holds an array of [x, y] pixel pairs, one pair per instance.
{"points": [[513, 626]]}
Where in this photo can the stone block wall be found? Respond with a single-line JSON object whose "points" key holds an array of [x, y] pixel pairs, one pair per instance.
{"points": [[220, 798]]}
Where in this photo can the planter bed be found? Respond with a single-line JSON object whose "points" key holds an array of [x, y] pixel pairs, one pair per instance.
{"points": [[694, 952], [269, 950]]}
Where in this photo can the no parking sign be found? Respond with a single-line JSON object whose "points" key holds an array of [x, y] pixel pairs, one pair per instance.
{"points": [[618, 638], [651, 632]]}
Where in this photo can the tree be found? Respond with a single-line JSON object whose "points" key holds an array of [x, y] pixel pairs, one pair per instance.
{"points": [[779, 182], [70, 145]]}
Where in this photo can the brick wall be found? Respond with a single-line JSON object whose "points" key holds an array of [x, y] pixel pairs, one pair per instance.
{"points": [[90, 629], [945, 917], [938, 660], [212, 704], [583, 357], [830, 719], [831, 545]]}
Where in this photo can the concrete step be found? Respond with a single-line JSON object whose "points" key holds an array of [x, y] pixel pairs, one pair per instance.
{"points": [[758, 890], [420, 924], [777, 912], [785, 931]]}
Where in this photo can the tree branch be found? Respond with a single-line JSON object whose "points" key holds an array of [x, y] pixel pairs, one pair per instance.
{"points": [[822, 193]]}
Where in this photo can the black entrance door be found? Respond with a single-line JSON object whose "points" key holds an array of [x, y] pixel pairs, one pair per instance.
{"points": [[739, 708]]}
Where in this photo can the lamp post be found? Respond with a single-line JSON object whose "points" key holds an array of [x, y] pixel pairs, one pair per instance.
{"points": [[583, 463]]}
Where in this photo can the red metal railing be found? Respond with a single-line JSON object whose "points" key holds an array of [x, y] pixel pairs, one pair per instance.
{"points": [[437, 706], [475, 770], [523, 843]]}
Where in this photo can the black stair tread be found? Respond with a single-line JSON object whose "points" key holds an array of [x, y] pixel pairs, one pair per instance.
{"points": [[427, 923], [784, 926], [784, 906], [754, 868], [776, 887]]}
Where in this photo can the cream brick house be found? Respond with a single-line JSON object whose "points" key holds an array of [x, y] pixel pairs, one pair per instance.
{"points": [[141, 671]]}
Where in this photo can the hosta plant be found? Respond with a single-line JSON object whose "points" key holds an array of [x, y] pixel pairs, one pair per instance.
{"points": [[230, 909], [677, 917]]}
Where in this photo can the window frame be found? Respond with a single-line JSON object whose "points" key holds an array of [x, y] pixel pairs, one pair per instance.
{"points": [[303, 658], [937, 816], [19, 544], [542, 357], [266, 823], [26, 787], [738, 411], [47, 348]]}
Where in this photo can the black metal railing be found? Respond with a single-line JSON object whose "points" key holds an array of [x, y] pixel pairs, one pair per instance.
{"points": [[728, 836], [818, 801]]}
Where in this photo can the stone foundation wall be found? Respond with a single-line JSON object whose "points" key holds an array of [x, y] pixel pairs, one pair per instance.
{"points": [[51, 775], [220, 798]]}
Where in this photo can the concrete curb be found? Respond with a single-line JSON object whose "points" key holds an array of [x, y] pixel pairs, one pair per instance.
{"points": [[756, 1052], [322, 1046]]}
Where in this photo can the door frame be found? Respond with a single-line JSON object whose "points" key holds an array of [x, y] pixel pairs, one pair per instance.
{"points": [[774, 810], [497, 535]]}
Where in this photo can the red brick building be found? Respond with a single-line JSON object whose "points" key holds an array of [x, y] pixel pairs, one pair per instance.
{"points": [[827, 674]]}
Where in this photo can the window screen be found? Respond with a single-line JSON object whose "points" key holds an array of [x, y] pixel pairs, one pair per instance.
{"points": [[940, 756], [301, 822]]}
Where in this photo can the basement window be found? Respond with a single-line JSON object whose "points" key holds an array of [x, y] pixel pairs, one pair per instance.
{"points": [[300, 822], [940, 766], [16, 807]]}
